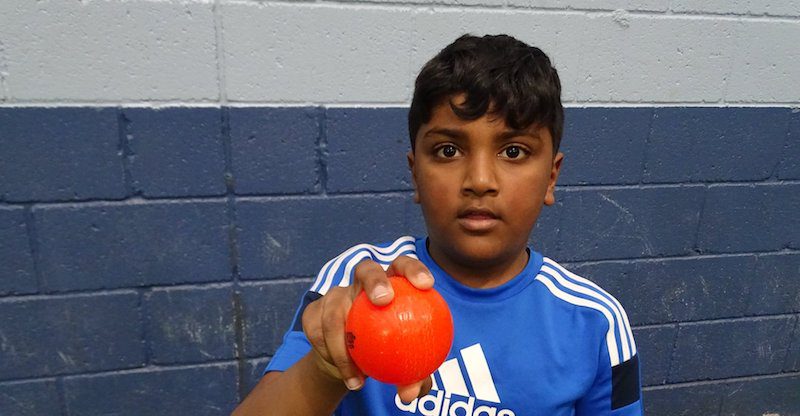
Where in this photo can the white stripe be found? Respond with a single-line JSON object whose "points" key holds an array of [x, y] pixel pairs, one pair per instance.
{"points": [[479, 374], [453, 379], [611, 340], [623, 336], [338, 260], [434, 386], [620, 309], [383, 261], [326, 278]]}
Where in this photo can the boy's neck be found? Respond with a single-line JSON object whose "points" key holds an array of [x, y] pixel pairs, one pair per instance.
{"points": [[480, 275]]}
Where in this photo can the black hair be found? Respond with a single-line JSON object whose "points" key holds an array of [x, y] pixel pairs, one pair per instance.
{"points": [[497, 73]]}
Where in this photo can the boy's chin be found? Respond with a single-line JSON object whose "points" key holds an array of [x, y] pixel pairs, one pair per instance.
{"points": [[483, 252]]}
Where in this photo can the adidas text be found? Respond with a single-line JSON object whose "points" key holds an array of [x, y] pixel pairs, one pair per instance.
{"points": [[439, 405]]}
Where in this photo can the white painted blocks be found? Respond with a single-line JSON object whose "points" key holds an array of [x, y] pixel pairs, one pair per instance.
{"points": [[749, 7], [304, 53], [108, 50], [639, 5], [764, 65]]}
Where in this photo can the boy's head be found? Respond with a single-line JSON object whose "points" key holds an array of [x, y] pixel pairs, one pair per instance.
{"points": [[485, 125], [497, 74]]}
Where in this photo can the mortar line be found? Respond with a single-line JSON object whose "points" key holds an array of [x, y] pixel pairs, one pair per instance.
{"points": [[33, 244], [322, 150], [125, 152], [219, 35], [673, 352], [795, 336], [739, 379], [62, 396]]}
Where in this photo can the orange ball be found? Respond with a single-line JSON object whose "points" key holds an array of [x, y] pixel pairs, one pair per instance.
{"points": [[404, 341]]}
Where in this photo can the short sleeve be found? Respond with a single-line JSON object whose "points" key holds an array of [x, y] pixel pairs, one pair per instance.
{"points": [[616, 390]]}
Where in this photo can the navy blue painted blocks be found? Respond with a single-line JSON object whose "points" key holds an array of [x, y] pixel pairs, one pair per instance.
{"points": [[626, 223], [268, 310], [752, 218], [201, 390], [716, 350], [274, 150], [295, 237], [18, 274], [132, 244], [604, 146], [367, 149], [715, 144], [177, 333], [60, 154], [175, 151], [30, 398], [67, 335]]}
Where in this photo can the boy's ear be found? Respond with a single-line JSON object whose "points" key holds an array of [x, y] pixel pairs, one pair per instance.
{"points": [[410, 157], [550, 196]]}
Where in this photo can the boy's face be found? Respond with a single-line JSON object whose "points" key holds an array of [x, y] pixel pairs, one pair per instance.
{"points": [[481, 185]]}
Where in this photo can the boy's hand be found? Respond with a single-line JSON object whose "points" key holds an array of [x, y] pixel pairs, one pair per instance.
{"points": [[324, 319]]}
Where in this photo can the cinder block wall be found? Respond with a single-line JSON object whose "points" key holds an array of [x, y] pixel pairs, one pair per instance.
{"points": [[173, 173]]}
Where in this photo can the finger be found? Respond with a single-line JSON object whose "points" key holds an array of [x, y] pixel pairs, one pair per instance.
{"points": [[370, 276], [334, 316], [413, 391], [413, 270]]}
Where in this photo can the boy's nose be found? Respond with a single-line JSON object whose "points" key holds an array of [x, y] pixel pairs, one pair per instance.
{"points": [[480, 177]]}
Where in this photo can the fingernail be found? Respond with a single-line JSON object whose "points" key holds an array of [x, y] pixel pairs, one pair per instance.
{"points": [[379, 292], [424, 276], [353, 383]]}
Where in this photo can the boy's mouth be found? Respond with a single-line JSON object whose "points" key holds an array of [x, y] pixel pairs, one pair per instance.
{"points": [[477, 219]]}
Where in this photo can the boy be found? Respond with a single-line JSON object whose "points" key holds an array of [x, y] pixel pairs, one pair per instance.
{"points": [[531, 338]]}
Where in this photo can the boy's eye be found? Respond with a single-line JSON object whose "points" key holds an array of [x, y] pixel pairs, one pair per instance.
{"points": [[512, 152], [447, 151]]}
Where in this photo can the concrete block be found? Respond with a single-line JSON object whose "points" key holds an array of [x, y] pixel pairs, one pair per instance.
{"points": [[132, 244], [793, 358], [65, 335], [654, 347], [367, 149], [316, 53], [109, 51], [295, 237], [763, 62], [694, 289], [30, 398], [736, 7], [750, 218], [715, 144], [604, 145], [707, 351], [49, 154], [274, 150], [18, 274], [176, 151], [178, 334], [777, 285], [790, 165], [269, 310], [488, 3], [771, 396], [663, 61], [206, 390], [625, 223], [690, 400], [648, 5], [254, 370]]}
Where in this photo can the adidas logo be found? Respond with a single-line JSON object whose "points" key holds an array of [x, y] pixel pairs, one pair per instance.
{"points": [[441, 401]]}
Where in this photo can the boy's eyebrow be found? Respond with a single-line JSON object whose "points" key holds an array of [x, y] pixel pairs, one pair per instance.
{"points": [[454, 133]]}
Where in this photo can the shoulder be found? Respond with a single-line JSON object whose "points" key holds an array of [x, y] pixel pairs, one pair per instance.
{"points": [[580, 293], [338, 271]]}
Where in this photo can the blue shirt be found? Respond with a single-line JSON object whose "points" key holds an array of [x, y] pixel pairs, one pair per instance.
{"points": [[547, 342]]}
